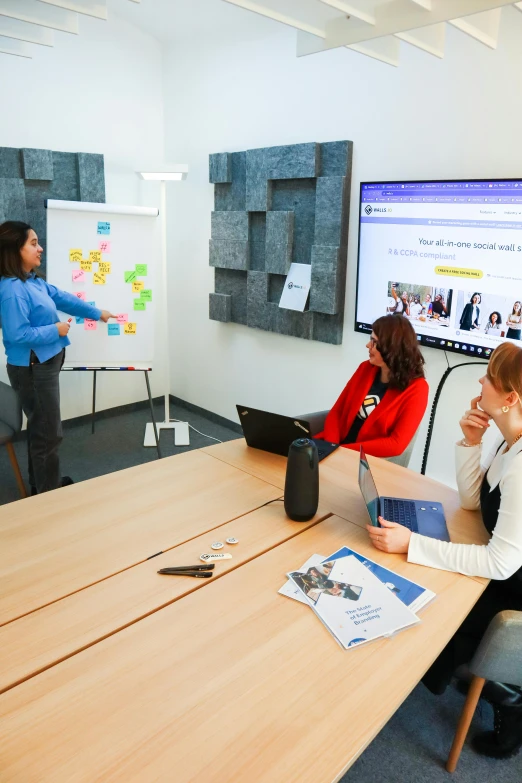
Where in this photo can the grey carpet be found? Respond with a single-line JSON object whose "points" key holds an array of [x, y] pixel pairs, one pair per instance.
{"points": [[413, 745]]}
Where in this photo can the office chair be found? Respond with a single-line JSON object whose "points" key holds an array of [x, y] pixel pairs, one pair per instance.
{"points": [[11, 425], [317, 419], [499, 659]]}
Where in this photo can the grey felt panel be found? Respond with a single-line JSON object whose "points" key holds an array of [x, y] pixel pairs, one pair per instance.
{"points": [[228, 254], [257, 238], [298, 196], [328, 328], [329, 210], [231, 196], [275, 287], [64, 185], [91, 177], [36, 191], [10, 163], [279, 237], [324, 288], [229, 225], [295, 324], [257, 261], [336, 159], [258, 190], [12, 200], [220, 167], [37, 164], [260, 313], [294, 161], [230, 281], [220, 307]]}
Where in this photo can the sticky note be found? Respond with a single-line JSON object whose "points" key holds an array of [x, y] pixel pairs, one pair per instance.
{"points": [[113, 329], [80, 294], [141, 269], [139, 305], [103, 227], [129, 328], [95, 255], [75, 254], [104, 245], [137, 286], [122, 318], [79, 320], [98, 278], [105, 267], [93, 304], [89, 325], [86, 265], [129, 276], [78, 276], [146, 295]]}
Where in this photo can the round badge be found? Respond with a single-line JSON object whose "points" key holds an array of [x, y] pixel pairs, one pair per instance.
{"points": [[232, 541], [217, 545]]}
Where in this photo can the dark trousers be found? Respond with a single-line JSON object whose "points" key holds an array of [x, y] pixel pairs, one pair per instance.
{"points": [[38, 387], [497, 597]]}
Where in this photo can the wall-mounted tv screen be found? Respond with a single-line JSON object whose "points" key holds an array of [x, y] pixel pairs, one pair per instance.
{"points": [[448, 255]]}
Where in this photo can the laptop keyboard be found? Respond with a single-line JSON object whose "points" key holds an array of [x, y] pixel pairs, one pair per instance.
{"points": [[401, 511]]}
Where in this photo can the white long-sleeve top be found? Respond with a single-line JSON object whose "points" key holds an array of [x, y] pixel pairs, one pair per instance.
{"points": [[502, 556]]}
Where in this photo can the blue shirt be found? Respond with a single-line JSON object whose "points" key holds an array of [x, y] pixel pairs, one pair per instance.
{"points": [[29, 312]]}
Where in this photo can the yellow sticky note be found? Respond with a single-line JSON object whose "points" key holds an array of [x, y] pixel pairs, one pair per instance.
{"points": [[129, 328], [98, 278], [95, 255], [75, 254], [86, 265], [137, 286], [105, 267]]}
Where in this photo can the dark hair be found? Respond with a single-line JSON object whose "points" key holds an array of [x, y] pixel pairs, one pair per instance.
{"points": [[13, 236], [474, 295], [399, 348], [499, 318]]}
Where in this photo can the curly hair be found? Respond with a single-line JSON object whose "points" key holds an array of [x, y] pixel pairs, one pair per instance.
{"points": [[399, 348]]}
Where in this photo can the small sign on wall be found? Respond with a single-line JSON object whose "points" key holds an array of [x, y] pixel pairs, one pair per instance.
{"points": [[297, 287]]}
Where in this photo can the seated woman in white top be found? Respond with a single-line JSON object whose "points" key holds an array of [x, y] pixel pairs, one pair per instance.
{"points": [[494, 487]]}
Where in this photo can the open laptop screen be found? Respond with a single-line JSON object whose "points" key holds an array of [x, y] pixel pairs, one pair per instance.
{"points": [[368, 489]]}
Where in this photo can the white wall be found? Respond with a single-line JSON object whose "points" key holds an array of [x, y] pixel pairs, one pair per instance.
{"points": [[100, 91], [456, 117]]}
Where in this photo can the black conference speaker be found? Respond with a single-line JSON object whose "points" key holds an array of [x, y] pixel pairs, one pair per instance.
{"points": [[302, 480]]}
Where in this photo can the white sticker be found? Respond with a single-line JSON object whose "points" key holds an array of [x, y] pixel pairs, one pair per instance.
{"points": [[221, 556], [232, 541], [217, 545]]}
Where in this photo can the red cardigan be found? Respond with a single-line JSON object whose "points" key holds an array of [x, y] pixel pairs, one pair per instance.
{"points": [[390, 427]]}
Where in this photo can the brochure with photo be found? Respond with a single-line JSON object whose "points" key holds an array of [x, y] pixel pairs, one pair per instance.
{"points": [[352, 602]]}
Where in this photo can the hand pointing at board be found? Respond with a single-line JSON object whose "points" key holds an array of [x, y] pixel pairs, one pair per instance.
{"points": [[105, 315]]}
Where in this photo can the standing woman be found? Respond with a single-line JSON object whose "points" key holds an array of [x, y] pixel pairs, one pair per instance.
{"points": [[35, 341], [513, 322], [470, 318]]}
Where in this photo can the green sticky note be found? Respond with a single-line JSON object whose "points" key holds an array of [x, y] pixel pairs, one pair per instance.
{"points": [[141, 269], [146, 294], [139, 305], [130, 276]]}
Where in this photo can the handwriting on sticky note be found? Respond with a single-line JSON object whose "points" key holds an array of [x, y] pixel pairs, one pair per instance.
{"points": [[86, 265], [78, 276], [129, 276], [141, 269], [129, 328], [113, 330], [80, 294], [146, 295], [79, 320], [105, 267], [122, 318], [95, 256], [137, 286], [104, 227], [89, 325], [98, 278], [75, 254], [104, 245], [139, 305]]}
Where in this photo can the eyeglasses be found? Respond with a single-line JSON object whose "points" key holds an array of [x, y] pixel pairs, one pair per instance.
{"points": [[374, 342]]}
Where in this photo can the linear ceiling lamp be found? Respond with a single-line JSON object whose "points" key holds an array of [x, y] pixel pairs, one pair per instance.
{"points": [[177, 172]]}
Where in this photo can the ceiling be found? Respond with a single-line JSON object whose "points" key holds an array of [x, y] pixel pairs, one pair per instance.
{"points": [[374, 28]]}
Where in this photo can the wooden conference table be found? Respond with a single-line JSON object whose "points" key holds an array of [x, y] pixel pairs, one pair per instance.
{"points": [[111, 672]]}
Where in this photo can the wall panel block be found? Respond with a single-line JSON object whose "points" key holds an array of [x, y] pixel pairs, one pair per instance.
{"points": [[37, 164], [220, 307], [220, 167], [229, 225]]}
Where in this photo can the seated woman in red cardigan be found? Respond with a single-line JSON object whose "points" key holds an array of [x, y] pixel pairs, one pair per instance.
{"points": [[384, 401]]}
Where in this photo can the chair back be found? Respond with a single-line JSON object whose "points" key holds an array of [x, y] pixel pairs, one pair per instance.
{"points": [[10, 408], [499, 654]]}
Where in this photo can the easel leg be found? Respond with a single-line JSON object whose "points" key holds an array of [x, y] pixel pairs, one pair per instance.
{"points": [[152, 414], [93, 401]]}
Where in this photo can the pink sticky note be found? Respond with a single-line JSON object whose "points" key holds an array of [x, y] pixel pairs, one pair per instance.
{"points": [[89, 325], [122, 318], [104, 245], [78, 276], [80, 295]]}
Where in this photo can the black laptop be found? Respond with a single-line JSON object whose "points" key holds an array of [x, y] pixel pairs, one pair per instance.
{"points": [[273, 432]]}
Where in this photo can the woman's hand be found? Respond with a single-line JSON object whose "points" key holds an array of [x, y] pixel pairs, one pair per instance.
{"points": [[390, 537], [63, 328], [105, 315], [474, 423]]}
